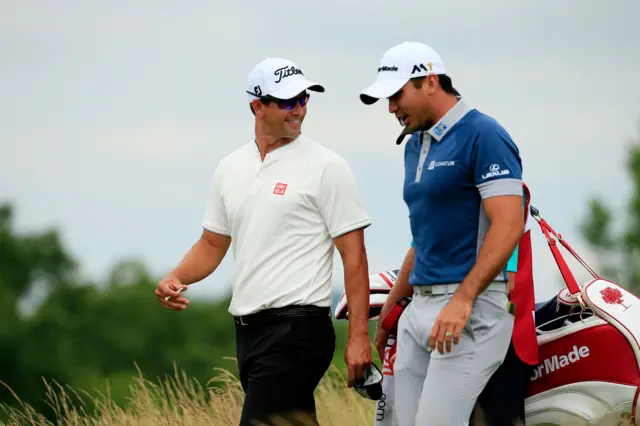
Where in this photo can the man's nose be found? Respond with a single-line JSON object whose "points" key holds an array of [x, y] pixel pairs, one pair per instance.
{"points": [[393, 106], [297, 109]]}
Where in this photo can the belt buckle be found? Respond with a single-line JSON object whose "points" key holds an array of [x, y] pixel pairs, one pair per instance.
{"points": [[425, 290], [240, 321]]}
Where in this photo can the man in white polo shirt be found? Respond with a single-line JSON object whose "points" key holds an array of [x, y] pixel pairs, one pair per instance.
{"points": [[284, 202]]}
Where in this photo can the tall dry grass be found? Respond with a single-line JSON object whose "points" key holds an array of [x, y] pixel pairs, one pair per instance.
{"points": [[179, 400]]}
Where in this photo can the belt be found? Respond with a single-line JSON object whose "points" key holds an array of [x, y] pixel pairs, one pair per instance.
{"points": [[436, 289], [281, 313]]}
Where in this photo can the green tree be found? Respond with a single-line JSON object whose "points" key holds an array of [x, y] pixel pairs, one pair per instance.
{"points": [[619, 252], [98, 337], [25, 259]]}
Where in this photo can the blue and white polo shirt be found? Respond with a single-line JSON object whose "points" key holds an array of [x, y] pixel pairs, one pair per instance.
{"points": [[449, 169]]}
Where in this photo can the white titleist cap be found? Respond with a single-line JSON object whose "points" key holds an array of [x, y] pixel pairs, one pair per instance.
{"points": [[398, 65], [278, 78]]}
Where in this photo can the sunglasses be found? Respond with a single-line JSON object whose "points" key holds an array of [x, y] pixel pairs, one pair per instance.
{"points": [[285, 104]]}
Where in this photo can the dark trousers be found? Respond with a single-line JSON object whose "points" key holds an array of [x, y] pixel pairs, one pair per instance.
{"points": [[502, 400], [281, 361]]}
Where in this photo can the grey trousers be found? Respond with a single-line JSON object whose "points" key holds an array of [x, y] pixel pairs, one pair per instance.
{"points": [[434, 389]]}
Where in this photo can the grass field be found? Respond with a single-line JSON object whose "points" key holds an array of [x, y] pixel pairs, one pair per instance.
{"points": [[178, 400]]}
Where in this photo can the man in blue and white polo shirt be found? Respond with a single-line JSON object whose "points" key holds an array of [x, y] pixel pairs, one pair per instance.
{"points": [[463, 188]]}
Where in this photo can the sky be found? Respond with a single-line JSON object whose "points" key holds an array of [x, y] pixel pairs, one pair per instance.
{"points": [[114, 115]]}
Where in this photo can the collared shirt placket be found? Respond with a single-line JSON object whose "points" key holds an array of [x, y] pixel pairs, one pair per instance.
{"points": [[425, 141]]}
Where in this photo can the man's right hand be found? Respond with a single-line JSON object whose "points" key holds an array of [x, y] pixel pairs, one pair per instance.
{"points": [[168, 293]]}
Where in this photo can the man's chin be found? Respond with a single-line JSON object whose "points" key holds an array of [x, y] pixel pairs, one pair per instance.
{"points": [[412, 128], [409, 128], [292, 134]]}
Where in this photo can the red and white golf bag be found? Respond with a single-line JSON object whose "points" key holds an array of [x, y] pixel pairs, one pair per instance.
{"points": [[588, 350]]}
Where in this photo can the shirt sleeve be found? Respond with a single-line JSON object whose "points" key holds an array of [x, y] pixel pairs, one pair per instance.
{"points": [[215, 216], [496, 163], [339, 201]]}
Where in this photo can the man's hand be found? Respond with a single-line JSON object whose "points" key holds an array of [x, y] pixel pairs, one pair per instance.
{"points": [[357, 356], [168, 293], [199, 262], [450, 323]]}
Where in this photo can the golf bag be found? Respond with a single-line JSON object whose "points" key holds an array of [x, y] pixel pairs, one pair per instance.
{"points": [[588, 350]]}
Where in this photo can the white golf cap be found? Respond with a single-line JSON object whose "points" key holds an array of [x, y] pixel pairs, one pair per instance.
{"points": [[278, 78], [398, 65]]}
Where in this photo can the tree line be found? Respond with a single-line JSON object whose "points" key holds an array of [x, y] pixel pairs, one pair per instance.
{"points": [[84, 334]]}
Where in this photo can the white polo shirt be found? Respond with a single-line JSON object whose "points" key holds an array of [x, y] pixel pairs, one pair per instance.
{"points": [[282, 215]]}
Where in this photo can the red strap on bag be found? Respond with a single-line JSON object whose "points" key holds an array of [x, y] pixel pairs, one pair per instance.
{"points": [[549, 234]]}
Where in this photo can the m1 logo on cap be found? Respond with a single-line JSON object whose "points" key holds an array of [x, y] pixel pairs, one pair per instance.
{"points": [[421, 67], [280, 188]]}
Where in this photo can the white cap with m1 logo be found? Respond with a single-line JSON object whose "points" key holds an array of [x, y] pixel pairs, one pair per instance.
{"points": [[278, 78], [398, 65]]}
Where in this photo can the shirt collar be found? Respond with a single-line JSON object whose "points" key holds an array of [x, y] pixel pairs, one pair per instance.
{"points": [[455, 114], [281, 150]]}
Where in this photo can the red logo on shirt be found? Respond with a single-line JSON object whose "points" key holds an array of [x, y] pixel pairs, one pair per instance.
{"points": [[280, 188]]}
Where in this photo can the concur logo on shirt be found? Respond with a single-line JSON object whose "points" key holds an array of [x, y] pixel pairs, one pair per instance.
{"points": [[556, 362], [494, 170], [434, 164]]}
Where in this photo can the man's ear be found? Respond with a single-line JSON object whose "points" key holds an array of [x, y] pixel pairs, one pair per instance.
{"points": [[431, 83], [257, 108]]}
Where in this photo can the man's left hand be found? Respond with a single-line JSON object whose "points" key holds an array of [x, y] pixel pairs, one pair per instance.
{"points": [[450, 323], [357, 356]]}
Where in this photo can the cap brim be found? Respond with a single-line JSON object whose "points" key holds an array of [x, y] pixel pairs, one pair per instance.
{"points": [[382, 89], [292, 90]]}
